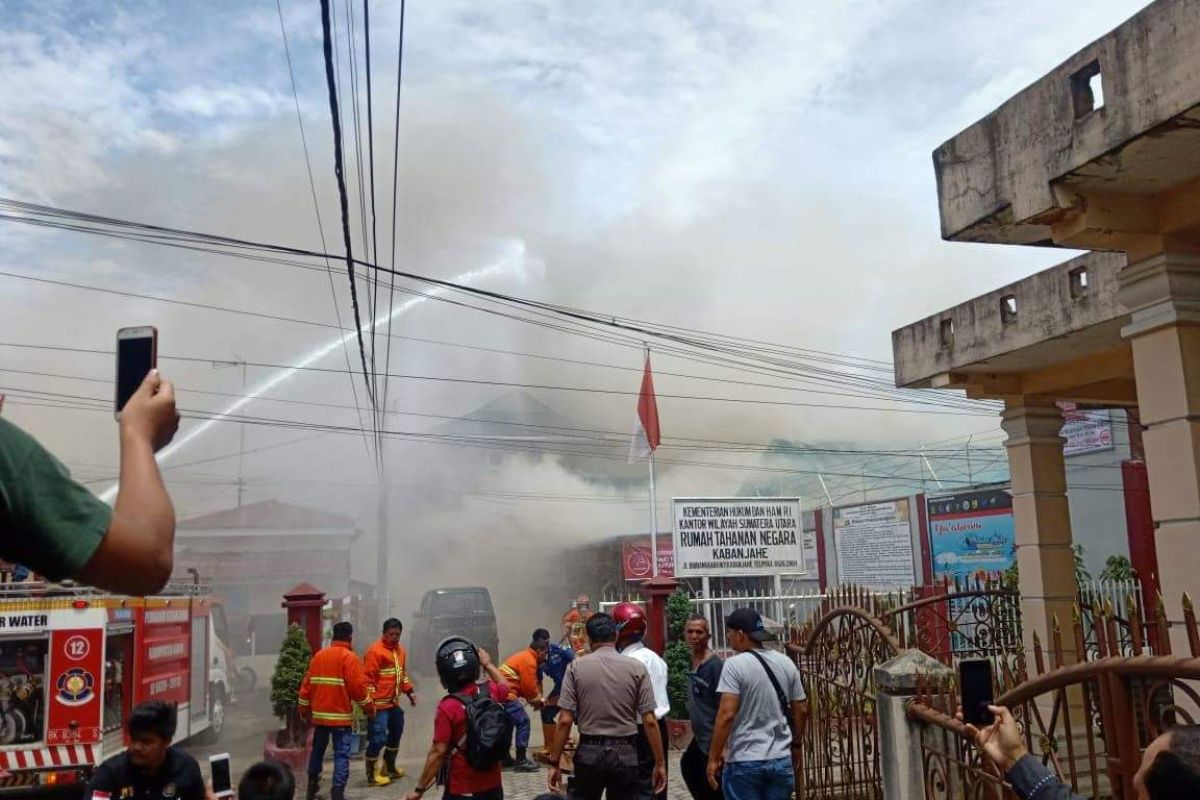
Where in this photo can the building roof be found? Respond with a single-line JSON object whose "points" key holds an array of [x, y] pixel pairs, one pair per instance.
{"points": [[267, 514], [1051, 165]]}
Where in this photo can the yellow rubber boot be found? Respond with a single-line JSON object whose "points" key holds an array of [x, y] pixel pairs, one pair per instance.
{"points": [[389, 763], [375, 776]]}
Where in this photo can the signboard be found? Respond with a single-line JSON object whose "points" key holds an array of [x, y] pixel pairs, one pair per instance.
{"points": [[738, 536], [971, 534], [635, 557], [874, 544], [1086, 431]]}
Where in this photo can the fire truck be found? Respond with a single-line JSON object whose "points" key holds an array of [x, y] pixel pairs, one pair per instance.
{"points": [[74, 661]]}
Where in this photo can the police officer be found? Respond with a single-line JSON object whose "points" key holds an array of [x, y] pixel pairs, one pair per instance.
{"points": [[150, 768], [607, 695]]}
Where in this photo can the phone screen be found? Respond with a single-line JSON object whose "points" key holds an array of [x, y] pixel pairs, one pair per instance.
{"points": [[135, 357], [975, 685], [222, 785]]}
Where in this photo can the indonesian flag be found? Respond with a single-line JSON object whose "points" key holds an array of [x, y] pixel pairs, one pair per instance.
{"points": [[646, 435]]}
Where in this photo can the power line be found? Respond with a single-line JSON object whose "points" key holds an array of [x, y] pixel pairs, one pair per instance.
{"points": [[312, 185], [387, 361], [541, 386], [341, 184]]}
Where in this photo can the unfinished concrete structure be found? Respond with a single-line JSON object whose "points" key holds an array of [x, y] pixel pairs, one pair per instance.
{"points": [[1101, 154]]}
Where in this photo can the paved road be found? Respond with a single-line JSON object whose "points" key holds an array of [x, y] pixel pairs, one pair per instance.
{"points": [[250, 720]]}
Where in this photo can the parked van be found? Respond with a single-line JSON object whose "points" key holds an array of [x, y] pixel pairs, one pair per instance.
{"points": [[457, 611]]}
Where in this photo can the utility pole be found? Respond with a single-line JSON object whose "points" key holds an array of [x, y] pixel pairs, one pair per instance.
{"points": [[241, 482]]}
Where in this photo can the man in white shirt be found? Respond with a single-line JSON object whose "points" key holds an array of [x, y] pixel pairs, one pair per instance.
{"points": [[631, 632]]}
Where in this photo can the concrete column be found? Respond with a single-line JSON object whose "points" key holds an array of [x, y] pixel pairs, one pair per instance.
{"points": [[1162, 294], [900, 756], [1042, 519]]}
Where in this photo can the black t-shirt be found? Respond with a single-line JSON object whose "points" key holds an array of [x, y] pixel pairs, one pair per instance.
{"points": [[179, 779], [703, 700]]}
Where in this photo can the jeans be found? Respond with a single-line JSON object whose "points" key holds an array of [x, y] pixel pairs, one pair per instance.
{"points": [[759, 780], [341, 752], [606, 768], [520, 721], [386, 729], [693, 765]]}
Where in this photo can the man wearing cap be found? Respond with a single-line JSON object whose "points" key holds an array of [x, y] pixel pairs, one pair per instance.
{"points": [[608, 695], [762, 705]]}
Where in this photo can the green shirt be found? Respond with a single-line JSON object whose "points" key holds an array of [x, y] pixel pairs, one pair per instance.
{"points": [[48, 522]]}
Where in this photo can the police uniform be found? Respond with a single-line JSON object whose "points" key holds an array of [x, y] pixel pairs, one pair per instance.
{"points": [[178, 778]]}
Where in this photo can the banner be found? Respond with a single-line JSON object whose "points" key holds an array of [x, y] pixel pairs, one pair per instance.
{"points": [[971, 534], [738, 536], [1086, 431], [874, 544], [635, 557]]}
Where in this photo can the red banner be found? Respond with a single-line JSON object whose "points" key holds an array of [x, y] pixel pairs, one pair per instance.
{"points": [[635, 557], [76, 676]]}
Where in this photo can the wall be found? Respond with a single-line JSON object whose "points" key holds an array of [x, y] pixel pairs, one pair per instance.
{"points": [[1097, 503]]}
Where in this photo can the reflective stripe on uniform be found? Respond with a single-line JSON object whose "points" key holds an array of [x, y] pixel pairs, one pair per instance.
{"points": [[328, 681], [332, 716]]}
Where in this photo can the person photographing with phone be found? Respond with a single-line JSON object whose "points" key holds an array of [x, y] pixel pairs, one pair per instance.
{"points": [[59, 529], [1170, 768]]}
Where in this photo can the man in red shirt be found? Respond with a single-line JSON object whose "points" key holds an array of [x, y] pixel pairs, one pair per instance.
{"points": [[458, 664]]}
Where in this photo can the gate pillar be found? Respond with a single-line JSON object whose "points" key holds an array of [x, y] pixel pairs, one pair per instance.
{"points": [[1041, 517], [901, 761]]}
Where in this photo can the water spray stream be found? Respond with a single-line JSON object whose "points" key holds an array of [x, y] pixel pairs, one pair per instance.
{"points": [[512, 261]]}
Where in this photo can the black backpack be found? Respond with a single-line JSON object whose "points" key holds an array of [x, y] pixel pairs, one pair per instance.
{"points": [[489, 730]]}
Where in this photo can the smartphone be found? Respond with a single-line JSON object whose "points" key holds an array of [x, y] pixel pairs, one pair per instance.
{"points": [[137, 354], [222, 783], [975, 688]]}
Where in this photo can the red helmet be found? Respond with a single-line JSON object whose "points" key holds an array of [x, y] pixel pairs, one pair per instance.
{"points": [[630, 619]]}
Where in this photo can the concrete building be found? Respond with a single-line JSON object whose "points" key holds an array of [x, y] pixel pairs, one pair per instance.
{"points": [[252, 554], [1101, 154]]}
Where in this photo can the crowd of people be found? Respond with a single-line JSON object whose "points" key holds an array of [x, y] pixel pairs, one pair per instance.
{"points": [[610, 685]]}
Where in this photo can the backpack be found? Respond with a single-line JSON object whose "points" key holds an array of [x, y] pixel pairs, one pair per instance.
{"points": [[489, 730]]}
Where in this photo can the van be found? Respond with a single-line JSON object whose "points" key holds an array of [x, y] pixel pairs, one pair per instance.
{"points": [[456, 611]]}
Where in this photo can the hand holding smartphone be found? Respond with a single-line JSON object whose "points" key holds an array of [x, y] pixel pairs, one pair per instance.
{"points": [[975, 690], [137, 354], [222, 782]]}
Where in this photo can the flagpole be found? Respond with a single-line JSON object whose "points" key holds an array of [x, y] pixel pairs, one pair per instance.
{"points": [[653, 521], [653, 500]]}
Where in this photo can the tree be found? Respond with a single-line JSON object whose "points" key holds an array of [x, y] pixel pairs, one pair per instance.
{"points": [[1010, 579], [294, 656], [1117, 568], [678, 655]]}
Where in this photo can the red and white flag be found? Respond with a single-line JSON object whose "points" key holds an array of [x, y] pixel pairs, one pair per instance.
{"points": [[646, 435]]}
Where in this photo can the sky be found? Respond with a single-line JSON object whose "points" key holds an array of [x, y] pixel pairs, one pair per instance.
{"points": [[759, 169]]}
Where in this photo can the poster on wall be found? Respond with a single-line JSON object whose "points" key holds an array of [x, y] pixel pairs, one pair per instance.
{"points": [[971, 534], [1086, 431], [635, 557], [808, 542], [738, 536], [874, 544]]}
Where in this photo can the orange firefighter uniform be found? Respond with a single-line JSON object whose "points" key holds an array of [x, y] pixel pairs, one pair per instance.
{"points": [[333, 683], [521, 670], [386, 673]]}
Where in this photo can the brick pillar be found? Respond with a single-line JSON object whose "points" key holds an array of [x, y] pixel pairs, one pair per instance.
{"points": [[656, 591], [1042, 518], [1162, 294]]}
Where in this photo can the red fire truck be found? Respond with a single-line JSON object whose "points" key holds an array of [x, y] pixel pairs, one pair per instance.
{"points": [[74, 661]]}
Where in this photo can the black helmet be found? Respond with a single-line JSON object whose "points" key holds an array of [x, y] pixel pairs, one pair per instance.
{"points": [[457, 663]]}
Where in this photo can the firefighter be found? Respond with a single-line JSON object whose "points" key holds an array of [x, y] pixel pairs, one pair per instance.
{"points": [[574, 624], [333, 684], [631, 631], [387, 678], [521, 671]]}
